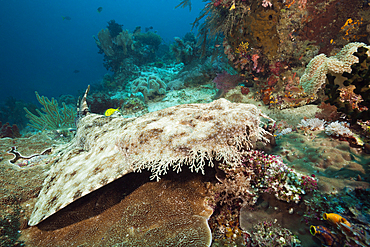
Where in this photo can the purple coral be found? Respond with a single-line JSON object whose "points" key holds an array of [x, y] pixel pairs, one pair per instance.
{"points": [[225, 81], [7, 130]]}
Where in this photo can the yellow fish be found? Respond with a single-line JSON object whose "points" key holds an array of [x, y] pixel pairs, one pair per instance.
{"points": [[232, 7], [110, 111]]}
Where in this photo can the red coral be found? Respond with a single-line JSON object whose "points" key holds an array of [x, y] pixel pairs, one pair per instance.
{"points": [[217, 3], [244, 90], [255, 61], [328, 112], [272, 80], [275, 68]]}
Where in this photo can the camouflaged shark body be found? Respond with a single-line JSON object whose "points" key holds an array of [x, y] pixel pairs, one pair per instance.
{"points": [[106, 148]]}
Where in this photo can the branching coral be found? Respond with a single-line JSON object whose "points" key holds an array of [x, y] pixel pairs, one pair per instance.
{"points": [[53, 117], [270, 234], [243, 47], [124, 40], [184, 3], [105, 42], [261, 173], [183, 50], [219, 20], [338, 129], [312, 123], [122, 48], [236, 185]]}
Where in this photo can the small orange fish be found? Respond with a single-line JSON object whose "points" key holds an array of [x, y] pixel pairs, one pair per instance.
{"points": [[335, 219], [217, 46]]}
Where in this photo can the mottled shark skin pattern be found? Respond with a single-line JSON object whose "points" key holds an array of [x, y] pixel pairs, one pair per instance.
{"points": [[91, 161], [106, 148]]}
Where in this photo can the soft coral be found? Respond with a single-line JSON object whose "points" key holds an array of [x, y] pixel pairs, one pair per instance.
{"points": [[225, 81], [9, 131]]}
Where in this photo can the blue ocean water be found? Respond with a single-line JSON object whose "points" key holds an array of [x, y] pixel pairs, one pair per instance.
{"points": [[40, 50]]}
